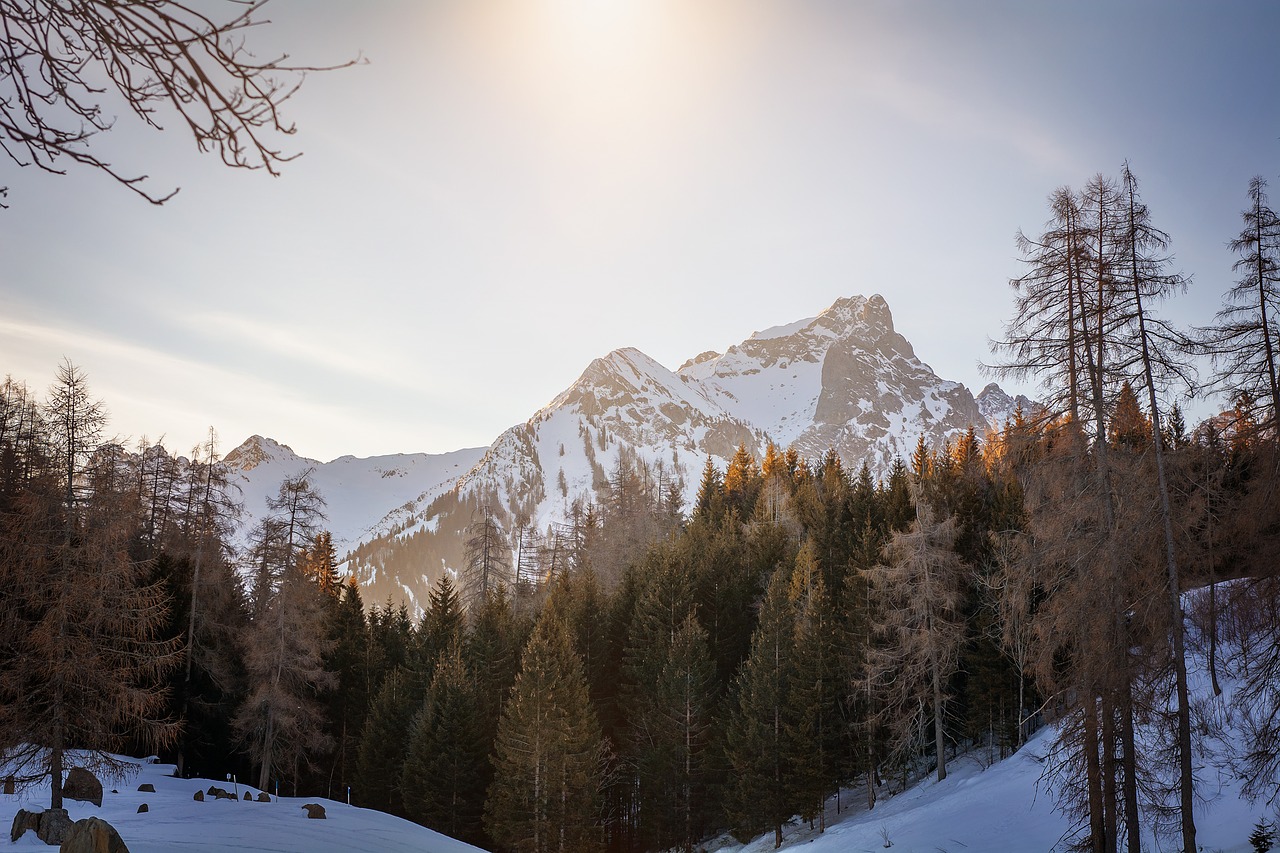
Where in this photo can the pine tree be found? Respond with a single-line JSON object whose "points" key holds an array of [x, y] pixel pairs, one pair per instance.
{"points": [[742, 483], [320, 564], [685, 693], [757, 745], [381, 756], [665, 602], [1129, 428], [488, 560], [813, 722], [348, 703], [442, 780], [282, 720], [440, 628], [491, 652], [1243, 341], [921, 589], [82, 623], [546, 792]]}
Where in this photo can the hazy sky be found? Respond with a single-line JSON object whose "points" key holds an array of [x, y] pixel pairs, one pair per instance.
{"points": [[510, 188]]}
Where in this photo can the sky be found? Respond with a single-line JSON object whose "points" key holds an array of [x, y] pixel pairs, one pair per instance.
{"points": [[507, 189]]}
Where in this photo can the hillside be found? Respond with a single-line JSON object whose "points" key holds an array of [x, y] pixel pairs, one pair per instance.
{"points": [[844, 380], [175, 821]]}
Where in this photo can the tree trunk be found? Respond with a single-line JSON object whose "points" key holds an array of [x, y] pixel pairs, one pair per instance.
{"points": [[1109, 793], [1130, 762], [1093, 776], [1186, 779], [938, 740]]}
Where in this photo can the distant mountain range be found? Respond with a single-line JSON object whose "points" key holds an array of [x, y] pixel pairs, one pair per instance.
{"points": [[844, 379]]}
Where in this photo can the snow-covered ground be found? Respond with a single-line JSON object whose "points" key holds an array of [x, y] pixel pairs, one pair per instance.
{"points": [[1001, 809], [176, 822], [1007, 808]]}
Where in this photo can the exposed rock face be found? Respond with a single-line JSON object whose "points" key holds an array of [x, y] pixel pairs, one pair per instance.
{"points": [[83, 786], [998, 407], [315, 811], [93, 835], [844, 380]]}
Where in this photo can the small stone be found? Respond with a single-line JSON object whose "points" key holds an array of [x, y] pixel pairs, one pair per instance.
{"points": [[199, 797], [247, 796], [143, 808], [264, 797], [146, 788], [315, 811]]}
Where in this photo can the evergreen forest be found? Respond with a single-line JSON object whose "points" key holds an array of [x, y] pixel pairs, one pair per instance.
{"points": [[806, 632]]}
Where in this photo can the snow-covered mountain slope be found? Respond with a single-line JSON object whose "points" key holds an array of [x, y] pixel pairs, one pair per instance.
{"points": [[176, 821], [999, 408], [1009, 806], [363, 497], [845, 379]]}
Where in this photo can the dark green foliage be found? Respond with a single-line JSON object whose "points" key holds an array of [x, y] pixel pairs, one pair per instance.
{"points": [[665, 604], [759, 750], [1263, 837], [548, 754], [348, 704], [440, 628], [380, 759], [813, 720], [442, 784]]}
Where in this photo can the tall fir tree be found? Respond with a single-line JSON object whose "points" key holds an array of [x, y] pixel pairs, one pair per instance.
{"points": [[381, 756], [758, 747], [442, 782], [548, 756]]}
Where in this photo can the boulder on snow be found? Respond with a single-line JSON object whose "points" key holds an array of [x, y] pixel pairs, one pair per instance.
{"points": [[264, 797], [23, 821], [144, 808], [315, 811], [247, 796], [199, 797], [147, 788], [93, 835], [54, 826], [83, 786]]}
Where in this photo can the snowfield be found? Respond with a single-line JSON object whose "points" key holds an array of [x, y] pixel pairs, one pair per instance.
{"points": [[176, 822]]}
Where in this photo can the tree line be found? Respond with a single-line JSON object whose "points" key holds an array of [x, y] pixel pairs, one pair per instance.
{"points": [[646, 677]]}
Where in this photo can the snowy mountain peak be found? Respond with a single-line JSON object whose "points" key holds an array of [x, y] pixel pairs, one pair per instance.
{"points": [[842, 380], [256, 450], [998, 407]]}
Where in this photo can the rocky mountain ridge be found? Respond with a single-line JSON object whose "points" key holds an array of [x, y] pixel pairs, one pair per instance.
{"points": [[844, 379]]}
